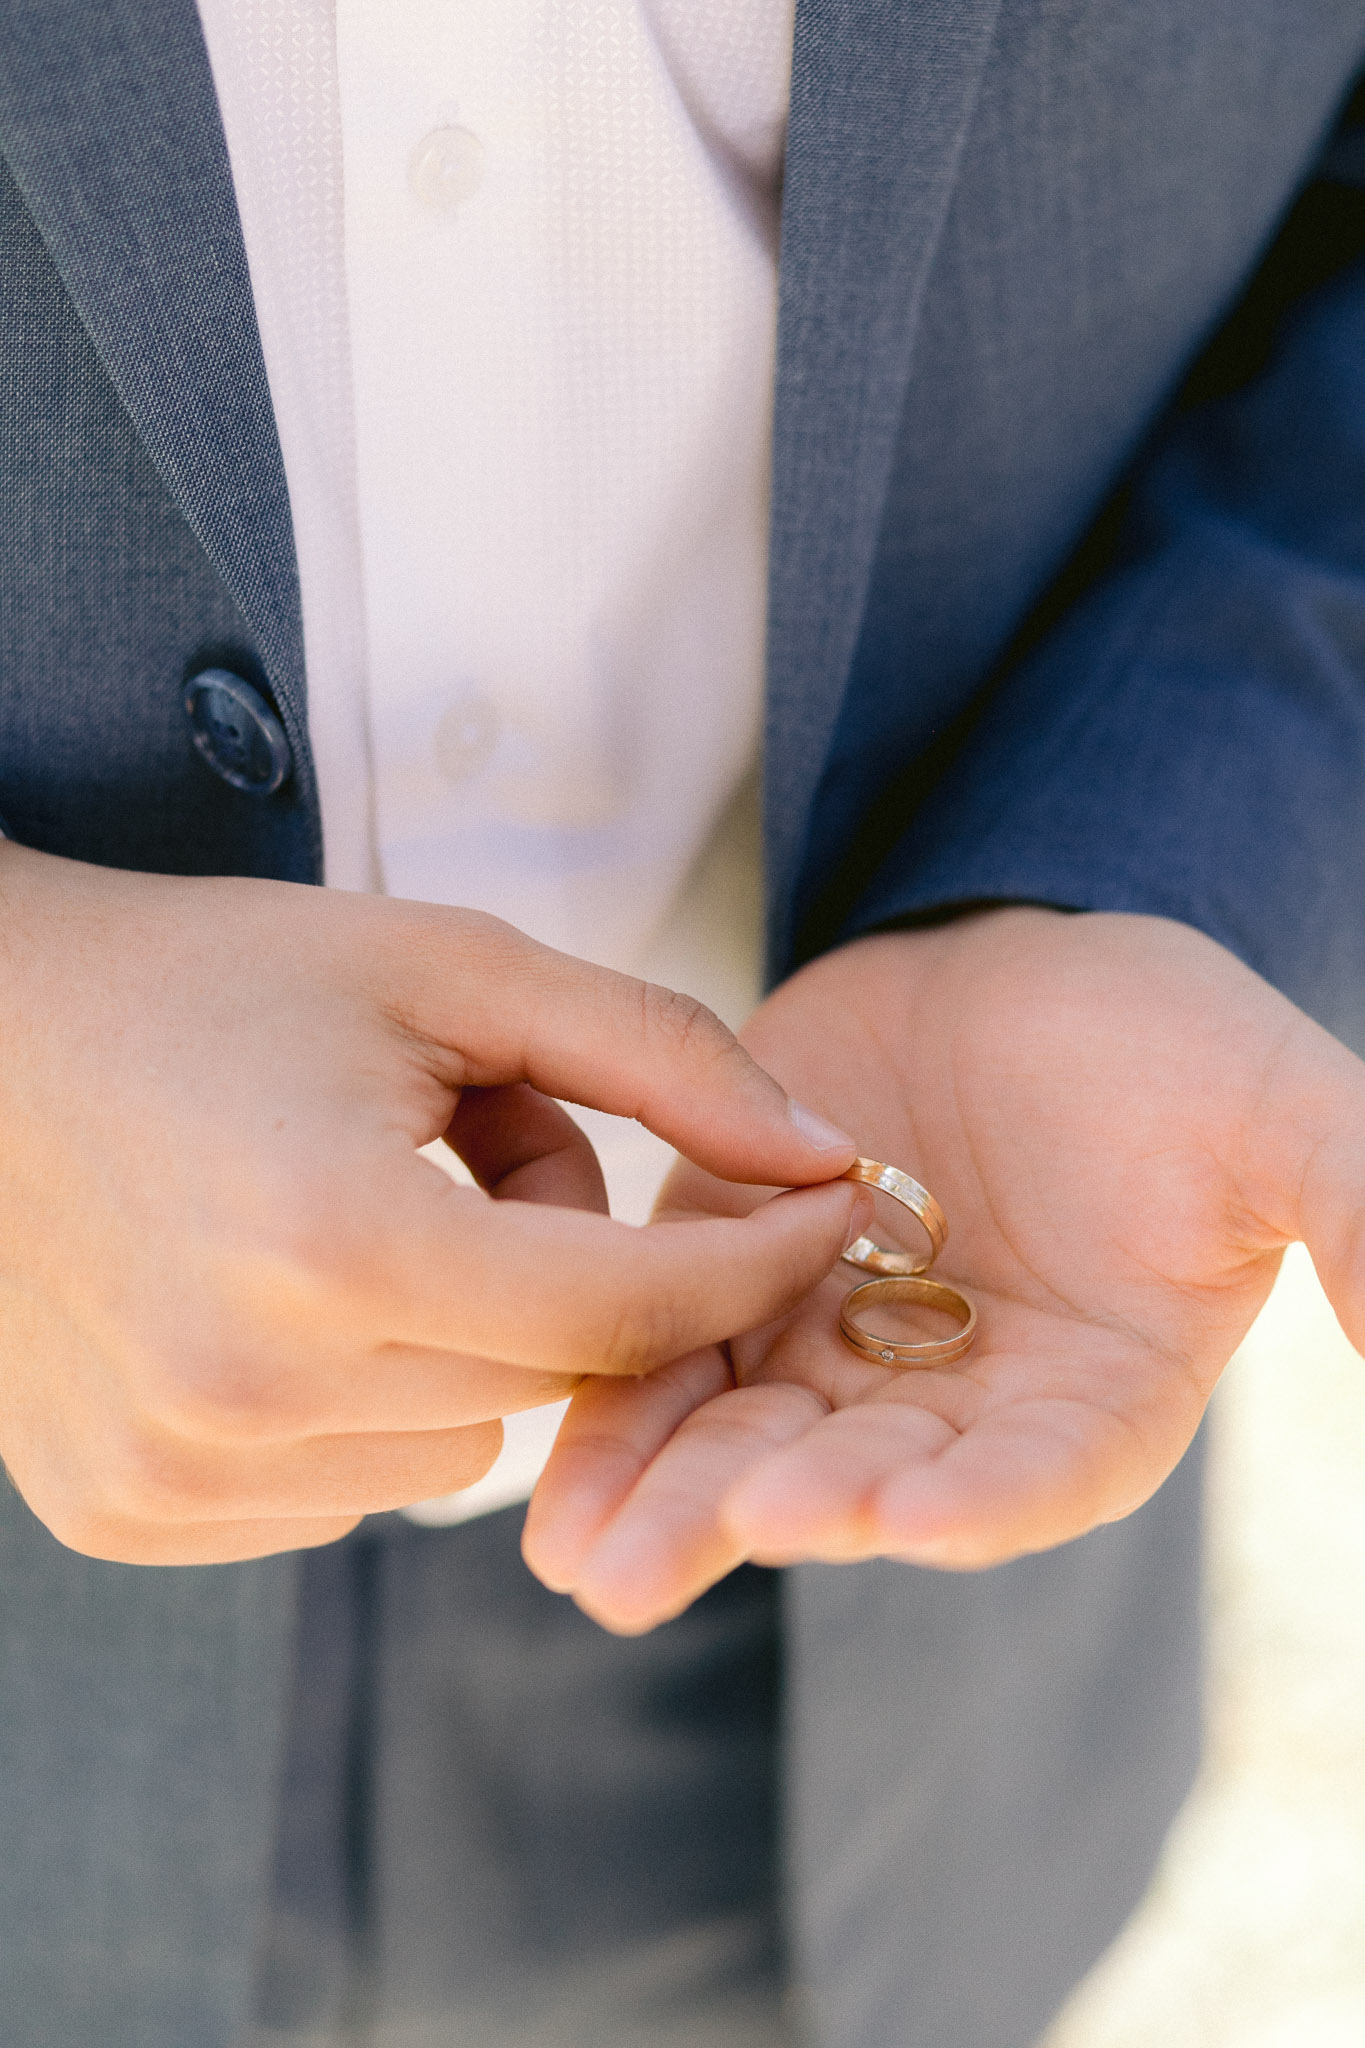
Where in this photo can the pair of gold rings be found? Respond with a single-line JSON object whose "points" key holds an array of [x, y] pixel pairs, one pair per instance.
{"points": [[900, 1276]]}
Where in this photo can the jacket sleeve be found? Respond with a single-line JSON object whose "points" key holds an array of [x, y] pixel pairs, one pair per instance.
{"points": [[1190, 741]]}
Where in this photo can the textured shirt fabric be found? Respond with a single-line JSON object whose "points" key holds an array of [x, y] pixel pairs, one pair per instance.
{"points": [[514, 266]]}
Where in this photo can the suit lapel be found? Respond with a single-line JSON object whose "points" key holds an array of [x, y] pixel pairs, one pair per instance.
{"points": [[882, 96], [110, 123]]}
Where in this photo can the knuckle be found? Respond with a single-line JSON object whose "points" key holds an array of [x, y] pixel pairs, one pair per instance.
{"points": [[321, 1243], [221, 1398], [642, 1333], [213, 1372], [475, 932], [422, 942], [683, 1025], [307, 1258]]}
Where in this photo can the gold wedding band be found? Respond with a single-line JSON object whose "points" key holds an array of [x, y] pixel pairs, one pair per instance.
{"points": [[926, 1294], [875, 1258]]}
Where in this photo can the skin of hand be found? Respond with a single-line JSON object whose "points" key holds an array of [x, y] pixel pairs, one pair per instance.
{"points": [[1125, 1127], [237, 1310]]}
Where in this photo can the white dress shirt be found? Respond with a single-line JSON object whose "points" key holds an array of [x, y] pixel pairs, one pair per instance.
{"points": [[514, 264], [514, 268]]}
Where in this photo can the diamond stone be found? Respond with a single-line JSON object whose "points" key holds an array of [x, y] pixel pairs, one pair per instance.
{"points": [[889, 1356]]}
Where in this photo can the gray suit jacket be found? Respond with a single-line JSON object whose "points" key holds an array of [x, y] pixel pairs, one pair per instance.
{"points": [[1007, 226]]}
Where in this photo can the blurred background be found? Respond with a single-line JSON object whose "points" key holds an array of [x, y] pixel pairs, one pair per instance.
{"points": [[1253, 1934]]}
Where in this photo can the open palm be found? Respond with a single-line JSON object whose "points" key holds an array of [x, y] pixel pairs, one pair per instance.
{"points": [[1125, 1128]]}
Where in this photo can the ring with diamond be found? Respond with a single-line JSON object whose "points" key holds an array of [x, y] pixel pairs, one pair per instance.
{"points": [[875, 1258], [909, 1287]]}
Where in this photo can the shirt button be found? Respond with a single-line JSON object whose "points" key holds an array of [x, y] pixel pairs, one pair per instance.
{"points": [[465, 738], [236, 732], [446, 168]]}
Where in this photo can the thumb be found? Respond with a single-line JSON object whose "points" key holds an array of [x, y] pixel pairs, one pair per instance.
{"points": [[517, 1011]]}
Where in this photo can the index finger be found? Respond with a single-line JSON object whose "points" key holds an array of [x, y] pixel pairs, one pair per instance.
{"points": [[498, 1007]]}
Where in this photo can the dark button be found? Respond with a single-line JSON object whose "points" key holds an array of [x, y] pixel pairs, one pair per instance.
{"points": [[236, 731]]}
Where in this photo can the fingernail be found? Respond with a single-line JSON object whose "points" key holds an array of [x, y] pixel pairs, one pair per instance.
{"points": [[825, 1137], [862, 1216]]}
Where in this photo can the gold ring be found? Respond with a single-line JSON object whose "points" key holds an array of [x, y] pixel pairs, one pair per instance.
{"points": [[875, 1258], [928, 1294]]}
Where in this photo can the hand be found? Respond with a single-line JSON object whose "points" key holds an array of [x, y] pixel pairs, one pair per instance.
{"points": [[1125, 1128], [237, 1310]]}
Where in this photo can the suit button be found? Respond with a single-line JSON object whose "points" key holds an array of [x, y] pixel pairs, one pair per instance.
{"points": [[446, 168], [236, 732], [466, 738]]}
